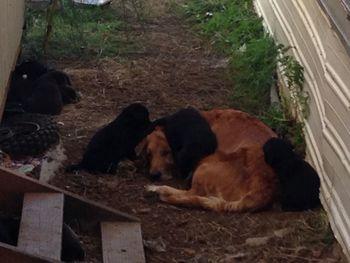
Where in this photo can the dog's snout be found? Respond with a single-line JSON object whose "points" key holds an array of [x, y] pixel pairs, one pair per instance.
{"points": [[155, 176]]}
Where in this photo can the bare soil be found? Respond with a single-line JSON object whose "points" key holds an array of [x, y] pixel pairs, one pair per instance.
{"points": [[174, 69]]}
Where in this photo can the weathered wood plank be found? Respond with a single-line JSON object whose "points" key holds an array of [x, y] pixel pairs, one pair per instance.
{"points": [[122, 242], [76, 207], [40, 230], [10, 254]]}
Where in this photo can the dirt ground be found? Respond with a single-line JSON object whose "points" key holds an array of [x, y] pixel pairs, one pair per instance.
{"points": [[174, 69]]}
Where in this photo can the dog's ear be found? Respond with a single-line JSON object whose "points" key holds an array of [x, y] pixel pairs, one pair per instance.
{"points": [[141, 147]]}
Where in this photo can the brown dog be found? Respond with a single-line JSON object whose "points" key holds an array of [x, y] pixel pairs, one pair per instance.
{"points": [[234, 178]]}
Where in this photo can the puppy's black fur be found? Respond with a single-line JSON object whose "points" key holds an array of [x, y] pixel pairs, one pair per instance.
{"points": [[20, 89], [61, 79], [32, 69], [299, 181], [46, 98], [190, 139], [51, 91], [115, 141], [9, 228], [41, 90], [71, 246]]}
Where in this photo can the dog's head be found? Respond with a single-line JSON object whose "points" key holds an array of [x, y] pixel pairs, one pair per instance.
{"points": [[277, 151], [159, 156], [135, 114], [32, 69]]}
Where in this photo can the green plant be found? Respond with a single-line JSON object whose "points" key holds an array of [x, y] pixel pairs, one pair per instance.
{"points": [[234, 29], [76, 31], [293, 73], [279, 119]]}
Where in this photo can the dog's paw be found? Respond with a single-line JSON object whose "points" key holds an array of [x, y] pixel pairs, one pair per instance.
{"points": [[151, 188]]}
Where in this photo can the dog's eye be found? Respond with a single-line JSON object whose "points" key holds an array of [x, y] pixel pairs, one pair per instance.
{"points": [[149, 154]]}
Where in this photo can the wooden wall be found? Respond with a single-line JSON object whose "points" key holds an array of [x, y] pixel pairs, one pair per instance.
{"points": [[304, 25], [11, 24]]}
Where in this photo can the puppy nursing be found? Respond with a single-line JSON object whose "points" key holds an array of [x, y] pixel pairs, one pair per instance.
{"points": [[244, 173], [240, 181], [234, 178], [190, 139], [299, 181]]}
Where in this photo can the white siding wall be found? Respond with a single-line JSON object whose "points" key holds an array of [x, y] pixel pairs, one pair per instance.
{"points": [[302, 24], [11, 23]]}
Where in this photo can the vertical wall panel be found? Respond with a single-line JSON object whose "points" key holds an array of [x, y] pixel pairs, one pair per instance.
{"points": [[304, 25], [11, 24]]}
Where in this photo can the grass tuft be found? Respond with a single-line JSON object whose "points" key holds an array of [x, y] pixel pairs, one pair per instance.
{"points": [[234, 29], [78, 32]]}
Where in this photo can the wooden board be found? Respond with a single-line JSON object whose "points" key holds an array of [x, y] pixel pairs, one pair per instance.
{"points": [[122, 242], [10, 254], [40, 230], [76, 207]]}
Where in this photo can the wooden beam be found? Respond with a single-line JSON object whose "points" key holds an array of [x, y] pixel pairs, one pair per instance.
{"points": [[75, 206], [122, 242], [12, 254], [40, 231]]}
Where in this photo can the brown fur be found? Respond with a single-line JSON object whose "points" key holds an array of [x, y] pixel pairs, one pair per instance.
{"points": [[234, 178], [159, 153], [235, 129]]}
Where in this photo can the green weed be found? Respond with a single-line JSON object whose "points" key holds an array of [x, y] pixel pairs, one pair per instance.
{"points": [[234, 29], [77, 31]]}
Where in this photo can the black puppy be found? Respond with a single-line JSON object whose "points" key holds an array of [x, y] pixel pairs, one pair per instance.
{"points": [[115, 141], [20, 89], [299, 181], [22, 80], [40, 89], [46, 98], [61, 79], [190, 139], [31, 69], [51, 91]]}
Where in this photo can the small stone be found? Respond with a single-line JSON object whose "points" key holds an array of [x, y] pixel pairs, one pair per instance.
{"points": [[189, 251], [230, 249], [157, 245], [231, 258], [282, 232], [144, 210], [201, 258], [257, 241]]}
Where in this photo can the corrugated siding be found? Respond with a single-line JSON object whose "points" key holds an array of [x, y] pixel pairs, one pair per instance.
{"points": [[304, 25], [11, 23]]}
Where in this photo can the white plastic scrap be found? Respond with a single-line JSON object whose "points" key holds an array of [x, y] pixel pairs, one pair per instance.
{"points": [[92, 2]]}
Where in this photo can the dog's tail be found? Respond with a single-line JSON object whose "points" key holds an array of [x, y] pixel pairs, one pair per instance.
{"points": [[73, 168]]}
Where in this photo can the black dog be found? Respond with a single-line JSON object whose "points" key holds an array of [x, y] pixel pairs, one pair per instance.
{"points": [[40, 89], [31, 69], [115, 141], [51, 91], [299, 181], [46, 98], [63, 83], [190, 139]]}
